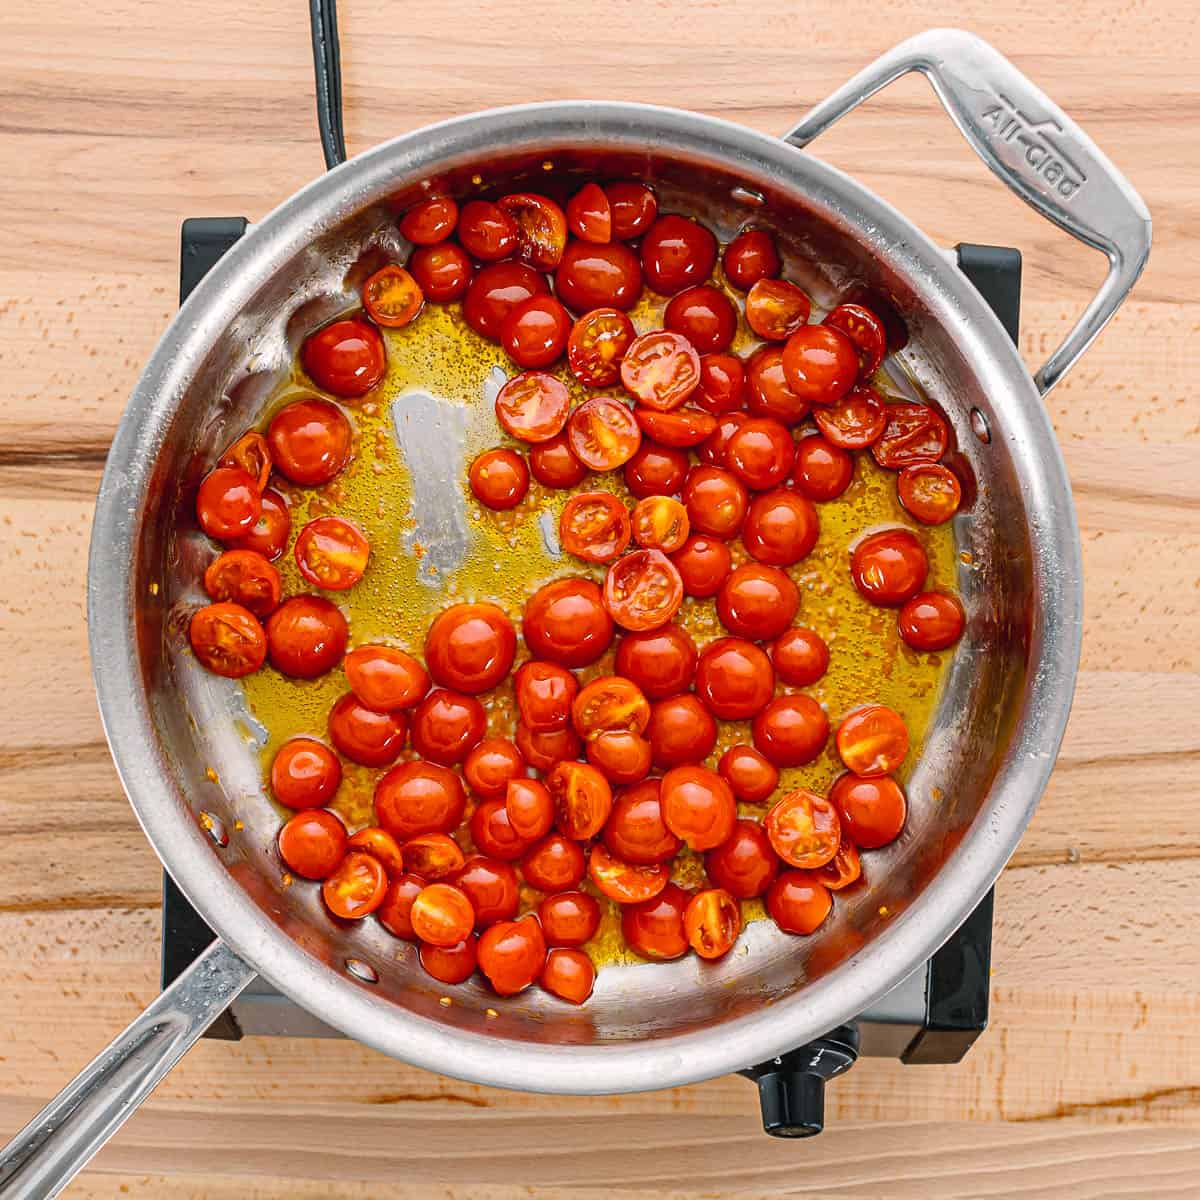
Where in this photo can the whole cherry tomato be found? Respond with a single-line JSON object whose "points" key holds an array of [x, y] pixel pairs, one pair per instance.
{"points": [[385, 678], [843, 869], [760, 452], [865, 330], [392, 297], [512, 954], [716, 501], [431, 221], [681, 428], [534, 334], [930, 492], [620, 756], [356, 888], [470, 647], [677, 252], [395, 913], [768, 393], [791, 731], [305, 773], [313, 843], [722, 383], [932, 621], [705, 316], [446, 725], [495, 291], [332, 553], [250, 453], [499, 478], [751, 256], [697, 806], [569, 975], [228, 503], [268, 535], [553, 463], [712, 922], [889, 567], [702, 563], [734, 679], [582, 799], [490, 765], [596, 344], [609, 703], [541, 228], [443, 272], [592, 276], [661, 369], [655, 470], [555, 864], [603, 433], [635, 831], [346, 358], [569, 918], [493, 833], [634, 208], [873, 810], [757, 602], [486, 232], [660, 523], [450, 964], [872, 741], [654, 928], [914, 433], [529, 808], [365, 736], [419, 797], [433, 856], [744, 864], [594, 526], [798, 902], [800, 656], [545, 750], [380, 845], [751, 775], [310, 441], [246, 578], [589, 214], [775, 309], [306, 637], [821, 471], [660, 661], [804, 829], [544, 694], [566, 622], [716, 445], [855, 421], [625, 882], [442, 915], [681, 730], [642, 590], [491, 886], [820, 363], [781, 528]]}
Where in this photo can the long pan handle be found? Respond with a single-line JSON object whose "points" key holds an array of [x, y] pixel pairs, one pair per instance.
{"points": [[47, 1154]]}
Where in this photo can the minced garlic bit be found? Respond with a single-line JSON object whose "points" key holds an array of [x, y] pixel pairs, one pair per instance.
{"points": [[491, 1013], [211, 775], [445, 1002], [883, 910]]}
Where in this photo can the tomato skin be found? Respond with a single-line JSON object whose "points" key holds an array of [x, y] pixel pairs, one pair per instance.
{"points": [[591, 276], [872, 810], [768, 393], [512, 954], [365, 736], [385, 678], [751, 256], [443, 272], [544, 693], [442, 915], [541, 228], [250, 453], [775, 309], [228, 503], [915, 433], [395, 913], [450, 964], [843, 869], [798, 902], [306, 637], [392, 297], [495, 291], [654, 928], [703, 563], [596, 344], [703, 315], [332, 554], [553, 463], [268, 536], [419, 797], [712, 922], [491, 886], [781, 528], [499, 479], [804, 829], [820, 363], [792, 730], [310, 441], [431, 221], [582, 799], [569, 918], [534, 334], [566, 622], [716, 501], [932, 621], [529, 809], [609, 703], [381, 846], [677, 252], [722, 383], [655, 470], [493, 833], [486, 231], [313, 843], [760, 452], [800, 656], [569, 975], [589, 214], [821, 471], [855, 422], [865, 330], [635, 831], [620, 756], [433, 856], [594, 526], [734, 679], [555, 864], [744, 864], [680, 429], [470, 647], [544, 750], [697, 806], [305, 773], [246, 578], [681, 730], [660, 523], [930, 492], [714, 449], [356, 889], [872, 741], [661, 369], [757, 602], [490, 765], [750, 775], [634, 208], [623, 882], [660, 661], [446, 725], [346, 358], [889, 567], [642, 590], [603, 433]]}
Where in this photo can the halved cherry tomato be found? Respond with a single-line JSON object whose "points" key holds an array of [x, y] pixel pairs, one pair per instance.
{"points": [[268, 535], [594, 526], [312, 844], [305, 773], [491, 886], [596, 344], [821, 471], [553, 463], [446, 725], [635, 831], [306, 636], [419, 797], [591, 276], [661, 369], [915, 433], [932, 621], [800, 656], [626, 883], [582, 799], [332, 553], [656, 470], [734, 679], [884, 307], [792, 730], [676, 252], [486, 231], [930, 492], [555, 864], [634, 208], [569, 975], [775, 309], [752, 776], [768, 392], [757, 602], [804, 829], [889, 567], [493, 834], [872, 741], [620, 756], [395, 913], [873, 810], [534, 334], [843, 869], [603, 433], [227, 639], [683, 428], [660, 661], [798, 902], [609, 703], [760, 452], [716, 501], [589, 214], [499, 479], [470, 647], [751, 256], [681, 730], [544, 693], [820, 364], [541, 228], [442, 915], [250, 453], [365, 736], [356, 888], [855, 421], [380, 845], [443, 272], [432, 220], [385, 678], [245, 578], [569, 918], [722, 383], [530, 809], [533, 406], [392, 297], [702, 563], [744, 864], [495, 291], [346, 358], [450, 964], [490, 765], [865, 330], [310, 441], [712, 922], [713, 451], [642, 590], [697, 806], [654, 928], [703, 315], [512, 954], [228, 503], [544, 750], [660, 523], [433, 856], [781, 527]]}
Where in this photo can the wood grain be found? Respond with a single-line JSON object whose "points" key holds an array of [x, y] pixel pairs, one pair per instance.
{"points": [[119, 118]]}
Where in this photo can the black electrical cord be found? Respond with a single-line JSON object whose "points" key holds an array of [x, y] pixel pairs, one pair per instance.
{"points": [[327, 68]]}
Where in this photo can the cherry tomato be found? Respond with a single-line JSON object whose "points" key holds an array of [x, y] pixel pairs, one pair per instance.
{"points": [[685, 427], [655, 470], [930, 492], [534, 334], [798, 902], [734, 679], [310, 441], [821, 471], [792, 730], [703, 563], [544, 750], [533, 406], [820, 363], [703, 315], [603, 433], [346, 358], [661, 662], [306, 636], [246, 578], [431, 221], [712, 922], [268, 535], [914, 433], [486, 231], [757, 602], [697, 806], [715, 447], [491, 886], [512, 954], [594, 526], [873, 810], [751, 776], [553, 463], [446, 725], [541, 228], [566, 622], [433, 856], [744, 864], [569, 918], [716, 501], [884, 307], [775, 309], [395, 913], [677, 252], [800, 656], [591, 276], [760, 452], [661, 369], [490, 765], [381, 846], [443, 272], [555, 864], [620, 756], [365, 736], [332, 553], [751, 256], [250, 453], [544, 694], [654, 928], [681, 730], [635, 831], [804, 829], [495, 291], [313, 843], [356, 888], [872, 741], [529, 808], [470, 647], [624, 882], [499, 479], [768, 392], [228, 503], [843, 869], [722, 383], [865, 330], [609, 703], [442, 915], [385, 678], [569, 975], [889, 567], [634, 208], [660, 523], [492, 832], [450, 964], [932, 621], [304, 774], [582, 799], [392, 297], [227, 639], [596, 344], [589, 214], [781, 528], [855, 421], [419, 797], [642, 590]]}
